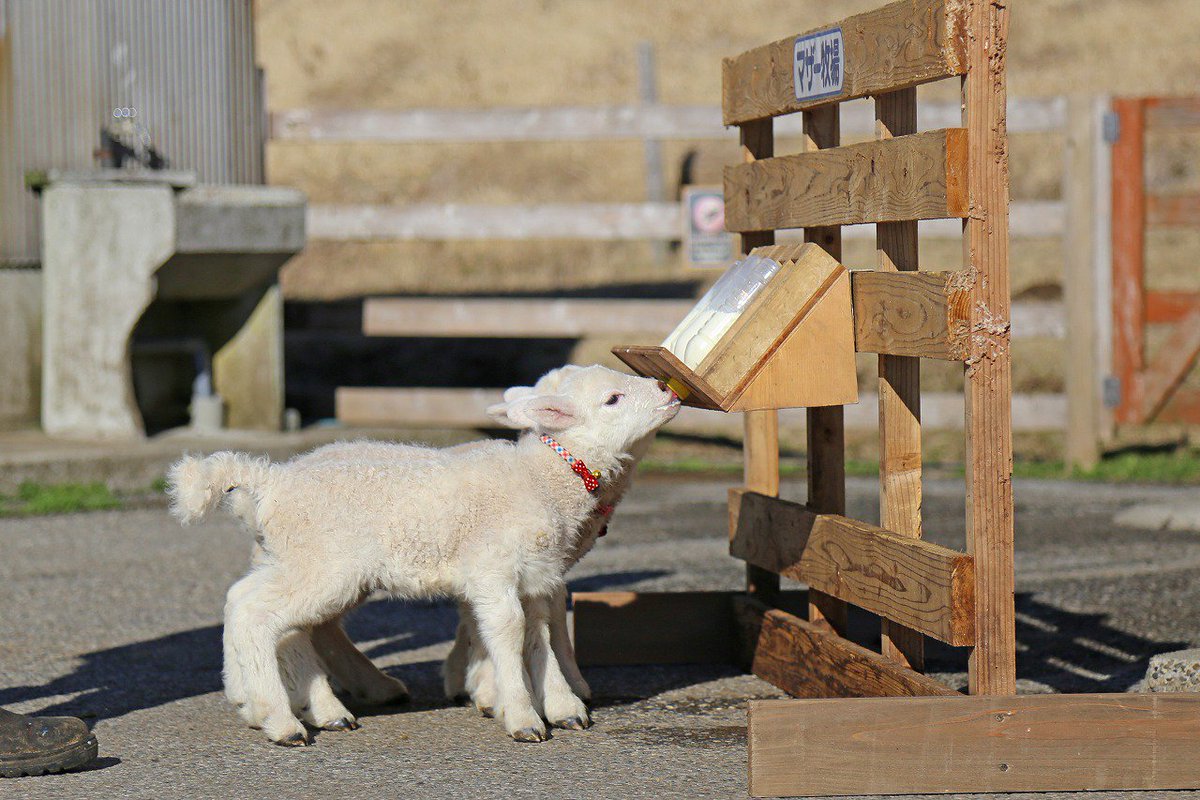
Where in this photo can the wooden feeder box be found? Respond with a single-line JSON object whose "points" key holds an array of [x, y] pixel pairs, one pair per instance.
{"points": [[793, 345]]}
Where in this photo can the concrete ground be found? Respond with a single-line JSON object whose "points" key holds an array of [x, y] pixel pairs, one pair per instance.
{"points": [[115, 616]]}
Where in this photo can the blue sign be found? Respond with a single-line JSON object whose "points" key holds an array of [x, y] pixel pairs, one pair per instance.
{"points": [[819, 64]]}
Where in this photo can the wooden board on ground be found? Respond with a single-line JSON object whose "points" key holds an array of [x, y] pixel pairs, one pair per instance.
{"points": [[653, 628], [807, 660], [922, 585], [899, 45], [1032, 743], [919, 176]]}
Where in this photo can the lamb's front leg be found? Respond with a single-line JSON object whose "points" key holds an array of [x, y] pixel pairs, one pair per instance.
{"points": [[501, 623], [560, 706]]}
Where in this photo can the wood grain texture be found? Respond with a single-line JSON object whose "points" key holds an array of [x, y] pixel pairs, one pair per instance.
{"points": [[807, 660], [992, 666], [899, 391], [653, 628], [1129, 254], [1033, 743], [918, 584], [919, 176], [922, 314], [902, 44]]}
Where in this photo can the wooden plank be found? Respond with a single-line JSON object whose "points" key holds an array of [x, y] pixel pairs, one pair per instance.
{"points": [[923, 586], [591, 123], [658, 362], [902, 44], [919, 176], [807, 660], [1128, 255], [1173, 210], [992, 666], [421, 407], [591, 221], [1173, 112], [584, 221], [1170, 306], [653, 628], [1174, 361], [899, 391], [1082, 377], [825, 428], [912, 314], [1032, 743], [519, 317], [760, 434]]}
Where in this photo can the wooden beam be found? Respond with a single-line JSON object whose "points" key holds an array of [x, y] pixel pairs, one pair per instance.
{"points": [[1173, 210], [940, 745], [424, 407], [912, 314], [1170, 306], [303, 126], [1173, 112], [988, 393], [519, 317], [1170, 366], [899, 45], [1129, 255], [920, 585], [807, 660], [899, 390], [919, 176], [653, 628]]}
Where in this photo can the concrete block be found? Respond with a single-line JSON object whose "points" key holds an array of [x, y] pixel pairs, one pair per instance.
{"points": [[1174, 672], [248, 370], [20, 348]]}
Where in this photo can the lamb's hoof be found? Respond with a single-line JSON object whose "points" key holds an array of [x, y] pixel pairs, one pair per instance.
{"points": [[487, 711], [572, 724], [295, 740], [342, 724], [529, 735]]}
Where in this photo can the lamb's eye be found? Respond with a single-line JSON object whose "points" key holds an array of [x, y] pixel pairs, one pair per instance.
{"points": [[612, 401]]}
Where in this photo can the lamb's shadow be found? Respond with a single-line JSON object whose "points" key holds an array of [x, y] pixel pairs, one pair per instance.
{"points": [[118, 680]]}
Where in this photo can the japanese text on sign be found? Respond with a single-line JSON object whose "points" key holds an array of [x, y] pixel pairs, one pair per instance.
{"points": [[818, 64]]}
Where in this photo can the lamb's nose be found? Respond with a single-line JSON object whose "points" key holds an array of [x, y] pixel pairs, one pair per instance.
{"points": [[662, 387]]}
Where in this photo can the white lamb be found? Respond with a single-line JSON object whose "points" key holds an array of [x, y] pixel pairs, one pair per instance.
{"points": [[468, 671], [494, 525]]}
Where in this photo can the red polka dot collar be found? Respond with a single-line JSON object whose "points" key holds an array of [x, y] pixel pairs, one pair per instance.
{"points": [[590, 478]]}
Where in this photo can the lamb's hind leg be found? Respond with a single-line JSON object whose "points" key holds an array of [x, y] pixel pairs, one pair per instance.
{"points": [[560, 643], [454, 669], [353, 671], [312, 698]]}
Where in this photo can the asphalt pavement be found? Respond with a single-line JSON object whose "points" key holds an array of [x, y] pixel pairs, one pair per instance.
{"points": [[116, 617]]}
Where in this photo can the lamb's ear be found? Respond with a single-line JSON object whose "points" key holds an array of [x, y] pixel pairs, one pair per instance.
{"points": [[517, 392], [546, 412], [499, 412], [554, 378]]}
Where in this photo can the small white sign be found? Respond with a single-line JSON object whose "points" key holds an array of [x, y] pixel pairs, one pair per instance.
{"points": [[819, 64]]}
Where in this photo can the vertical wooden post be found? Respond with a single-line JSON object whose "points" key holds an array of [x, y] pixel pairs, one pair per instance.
{"points": [[826, 426], [992, 666], [1079, 284], [1129, 253], [760, 448], [899, 390], [647, 96], [1102, 158]]}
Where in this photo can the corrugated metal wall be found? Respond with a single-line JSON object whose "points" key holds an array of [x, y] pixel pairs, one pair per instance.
{"points": [[186, 66]]}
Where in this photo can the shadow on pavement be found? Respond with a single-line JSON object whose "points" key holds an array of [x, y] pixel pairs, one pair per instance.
{"points": [[116, 681]]}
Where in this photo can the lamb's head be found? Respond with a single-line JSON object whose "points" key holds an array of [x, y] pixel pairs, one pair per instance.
{"points": [[596, 407]]}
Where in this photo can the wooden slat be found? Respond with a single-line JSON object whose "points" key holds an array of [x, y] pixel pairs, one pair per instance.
{"points": [[658, 362], [899, 45], [1129, 255], [1172, 364], [1170, 306], [807, 660], [992, 666], [920, 176], [899, 390], [921, 585], [1173, 210], [520, 317], [912, 314], [589, 123], [1173, 112], [939, 745], [449, 408], [653, 628]]}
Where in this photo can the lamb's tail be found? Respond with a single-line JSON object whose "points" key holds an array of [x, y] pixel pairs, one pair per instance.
{"points": [[196, 485]]}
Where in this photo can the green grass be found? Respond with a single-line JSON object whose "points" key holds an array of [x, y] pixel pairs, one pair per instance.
{"points": [[1181, 466], [63, 498]]}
